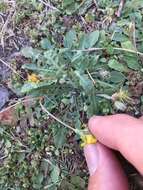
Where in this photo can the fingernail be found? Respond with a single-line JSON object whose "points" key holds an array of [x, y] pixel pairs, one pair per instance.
{"points": [[92, 157]]}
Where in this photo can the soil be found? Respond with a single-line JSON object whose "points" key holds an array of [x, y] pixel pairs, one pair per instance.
{"points": [[14, 40]]}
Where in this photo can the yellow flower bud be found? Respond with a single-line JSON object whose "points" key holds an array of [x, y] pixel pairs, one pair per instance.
{"points": [[33, 78], [88, 139]]}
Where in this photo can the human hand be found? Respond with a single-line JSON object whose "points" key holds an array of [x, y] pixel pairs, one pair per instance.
{"points": [[119, 132]]}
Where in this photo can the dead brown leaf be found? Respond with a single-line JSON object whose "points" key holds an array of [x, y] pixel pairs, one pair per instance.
{"points": [[8, 117]]}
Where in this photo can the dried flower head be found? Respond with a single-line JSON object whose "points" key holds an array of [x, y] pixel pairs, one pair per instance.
{"points": [[122, 96]]}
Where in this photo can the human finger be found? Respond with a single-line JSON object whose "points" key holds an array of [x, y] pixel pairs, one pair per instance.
{"points": [[120, 132], [105, 169]]}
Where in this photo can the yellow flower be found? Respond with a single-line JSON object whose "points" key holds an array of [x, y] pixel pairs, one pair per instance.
{"points": [[88, 139], [33, 78]]}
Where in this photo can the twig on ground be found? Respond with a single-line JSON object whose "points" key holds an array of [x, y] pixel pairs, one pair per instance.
{"points": [[121, 5], [3, 157], [133, 31], [12, 69], [96, 4], [83, 23], [49, 5]]}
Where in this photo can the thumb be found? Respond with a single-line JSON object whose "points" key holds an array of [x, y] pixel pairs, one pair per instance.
{"points": [[120, 132], [105, 170]]}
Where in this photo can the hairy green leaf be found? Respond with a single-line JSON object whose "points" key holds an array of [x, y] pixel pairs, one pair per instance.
{"points": [[117, 77], [89, 40], [29, 52], [46, 44], [114, 64], [84, 81], [69, 39]]}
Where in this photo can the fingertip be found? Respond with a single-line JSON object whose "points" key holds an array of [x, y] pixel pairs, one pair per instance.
{"points": [[107, 129], [97, 123], [108, 173], [141, 118], [119, 132], [92, 157], [94, 122]]}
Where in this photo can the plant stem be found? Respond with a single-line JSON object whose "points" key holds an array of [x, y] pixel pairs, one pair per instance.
{"points": [[87, 50], [90, 76], [121, 5], [119, 49], [20, 101], [129, 50], [58, 120]]}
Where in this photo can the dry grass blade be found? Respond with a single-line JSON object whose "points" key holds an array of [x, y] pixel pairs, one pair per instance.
{"points": [[19, 101], [133, 31], [49, 5], [121, 5], [4, 27], [12, 69], [90, 76]]}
